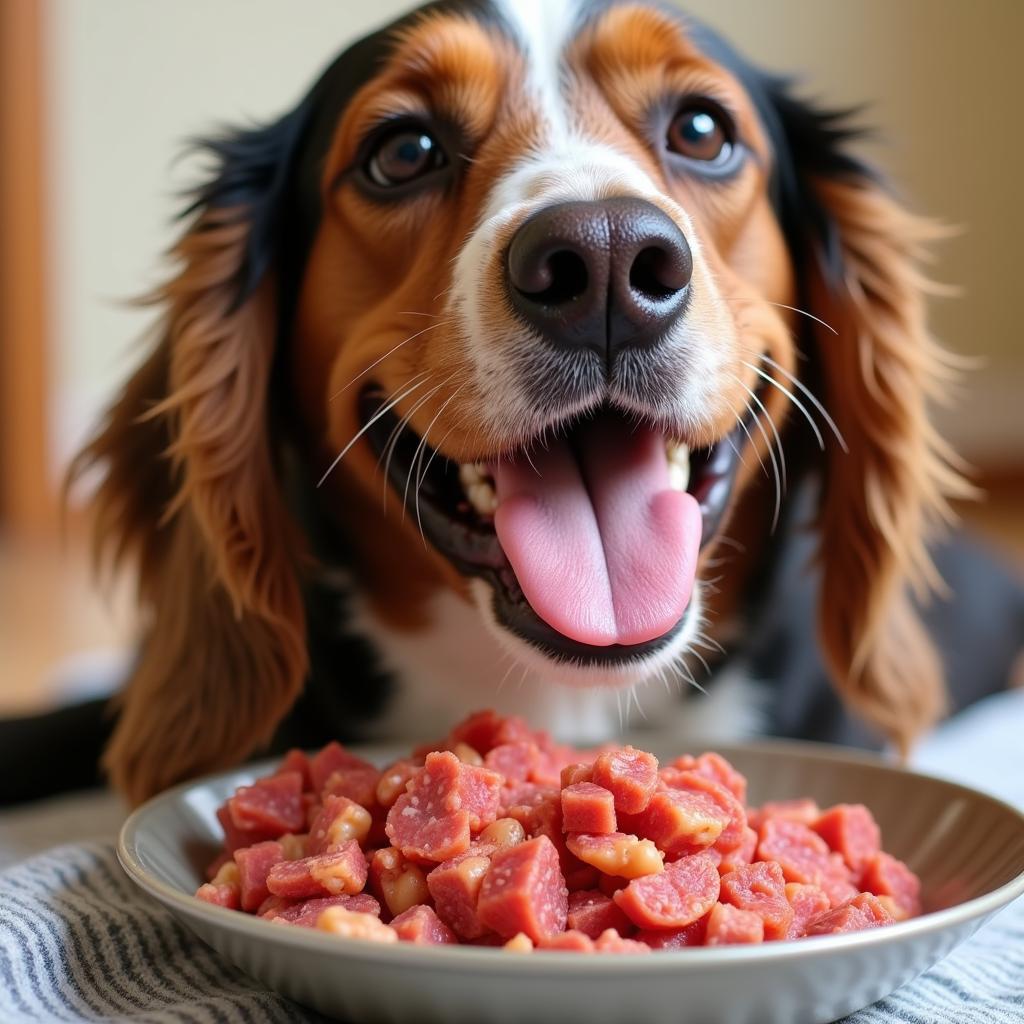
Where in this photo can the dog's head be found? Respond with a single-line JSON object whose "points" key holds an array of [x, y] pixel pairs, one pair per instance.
{"points": [[574, 280]]}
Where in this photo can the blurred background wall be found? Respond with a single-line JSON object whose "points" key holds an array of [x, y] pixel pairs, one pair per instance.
{"points": [[121, 83]]}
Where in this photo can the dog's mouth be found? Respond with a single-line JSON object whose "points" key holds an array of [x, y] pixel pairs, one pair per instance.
{"points": [[589, 539]]}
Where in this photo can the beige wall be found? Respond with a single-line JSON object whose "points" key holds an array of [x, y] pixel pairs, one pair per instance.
{"points": [[130, 79]]}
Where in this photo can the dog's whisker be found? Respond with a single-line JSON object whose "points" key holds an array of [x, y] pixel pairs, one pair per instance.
{"points": [[812, 397], [775, 466], [804, 312], [750, 439], [730, 542], [419, 447], [704, 640], [780, 475], [390, 352], [796, 401], [775, 432], [382, 411], [688, 676], [392, 443], [423, 469], [749, 301], [508, 672], [700, 657], [636, 698]]}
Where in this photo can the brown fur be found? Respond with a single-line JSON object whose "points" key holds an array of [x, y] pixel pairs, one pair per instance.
{"points": [[884, 499], [191, 490]]}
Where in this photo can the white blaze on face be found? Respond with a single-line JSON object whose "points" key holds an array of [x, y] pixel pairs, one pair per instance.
{"points": [[564, 165]]}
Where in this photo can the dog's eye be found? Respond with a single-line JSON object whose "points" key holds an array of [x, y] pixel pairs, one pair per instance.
{"points": [[699, 132], [403, 156]]}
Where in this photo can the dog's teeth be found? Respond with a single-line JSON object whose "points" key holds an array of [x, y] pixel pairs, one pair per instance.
{"points": [[471, 473], [678, 465], [483, 499]]}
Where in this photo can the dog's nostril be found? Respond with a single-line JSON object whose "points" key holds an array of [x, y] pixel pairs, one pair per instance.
{"points": [[657, 275], [561, 278]]}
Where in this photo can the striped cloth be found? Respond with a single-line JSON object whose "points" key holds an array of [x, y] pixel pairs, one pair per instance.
{"points": [[78, 941]]}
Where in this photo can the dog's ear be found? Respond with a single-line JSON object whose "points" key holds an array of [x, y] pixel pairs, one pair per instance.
{"points": [[885, 488], [190, 490]]}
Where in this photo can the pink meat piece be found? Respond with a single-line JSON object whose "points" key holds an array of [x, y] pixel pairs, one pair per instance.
{"points": [[478, 731], [357, 782], [422, 927], [515, 761], [219, 895], [455, 889], [761, 889], [568, 942], [446, 802], [524, 891], [580, 878], [851, 831], [343, 871], [319, 829], [741, 855], [574, 773], [862, 912], [686, 890], [273, 905], [729, 925], [804, 857], [270, 806], [679, 821], [254, 864], [611, 941], [884, 875], [630, 775], [703, 786], [803, 810], [513, 730], [542, 816], [675, 938], [307, 913], [553, 757], [588, 808], [808, 902], [296, 761], [592, 912], [333, 758], [718, 769]]}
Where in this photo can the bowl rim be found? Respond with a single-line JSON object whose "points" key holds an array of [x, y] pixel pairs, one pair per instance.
{"points": [[410, 956]]}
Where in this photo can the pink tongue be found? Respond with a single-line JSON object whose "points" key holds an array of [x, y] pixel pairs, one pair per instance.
{"points": [[604, 550]]}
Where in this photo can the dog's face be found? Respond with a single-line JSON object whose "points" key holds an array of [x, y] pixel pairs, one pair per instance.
{"points": [[519, 275], [549, 284]]}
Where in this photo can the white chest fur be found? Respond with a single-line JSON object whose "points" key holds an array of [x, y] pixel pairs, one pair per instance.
{"points": [[456, 665]]}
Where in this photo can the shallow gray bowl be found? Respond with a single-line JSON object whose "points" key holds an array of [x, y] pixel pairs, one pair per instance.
{"points": [[968, 849]]}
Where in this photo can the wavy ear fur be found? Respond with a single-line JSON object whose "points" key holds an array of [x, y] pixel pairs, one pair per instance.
{"points": [[190, 491], [886, 495]]}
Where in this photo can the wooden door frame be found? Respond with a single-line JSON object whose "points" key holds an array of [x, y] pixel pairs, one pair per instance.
{"points": [[28, 505]]}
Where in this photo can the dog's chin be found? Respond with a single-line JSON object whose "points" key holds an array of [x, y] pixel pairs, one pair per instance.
{"points": [[588, 669]]}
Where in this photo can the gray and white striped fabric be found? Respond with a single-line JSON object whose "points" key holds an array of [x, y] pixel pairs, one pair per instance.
{"points": [[78, 942]]}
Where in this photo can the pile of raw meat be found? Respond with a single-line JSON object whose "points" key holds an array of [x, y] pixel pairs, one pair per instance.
{"points": [[496, 836]]}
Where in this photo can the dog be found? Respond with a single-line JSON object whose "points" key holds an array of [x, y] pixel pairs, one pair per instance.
{"points": [[547, 355]]}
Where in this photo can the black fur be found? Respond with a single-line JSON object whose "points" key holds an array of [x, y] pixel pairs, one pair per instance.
{"points": [[272, 173]]}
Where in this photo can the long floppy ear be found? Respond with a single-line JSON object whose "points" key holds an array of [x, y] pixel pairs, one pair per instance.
{"points": [[190, 491], [885, 490]]}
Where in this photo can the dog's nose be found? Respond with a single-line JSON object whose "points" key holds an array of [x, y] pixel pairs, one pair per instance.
{"points": [[601, 275]]}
